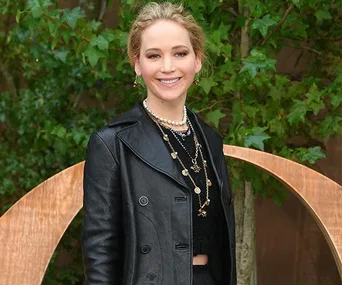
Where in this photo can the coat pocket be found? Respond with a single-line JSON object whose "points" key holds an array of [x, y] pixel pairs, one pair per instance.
{"points": [[149, 258]]}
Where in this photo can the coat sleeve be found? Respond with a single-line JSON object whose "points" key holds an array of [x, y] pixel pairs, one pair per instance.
{"points": [[102, 223]]}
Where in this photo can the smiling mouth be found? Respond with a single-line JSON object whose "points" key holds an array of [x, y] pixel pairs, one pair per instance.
{"points": [[169, 81]]}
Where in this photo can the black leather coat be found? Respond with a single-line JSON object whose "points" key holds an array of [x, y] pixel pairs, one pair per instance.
{"points": [[138, 208]]}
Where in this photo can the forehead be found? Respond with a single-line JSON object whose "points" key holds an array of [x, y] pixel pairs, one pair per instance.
{"points": [[164, 34]]}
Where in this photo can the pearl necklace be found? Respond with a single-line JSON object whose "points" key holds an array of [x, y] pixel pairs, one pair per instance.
{"points": [[166, 121]]}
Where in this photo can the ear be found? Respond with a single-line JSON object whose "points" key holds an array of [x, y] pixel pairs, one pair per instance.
{"points": [[137, 67], [198, 64]]}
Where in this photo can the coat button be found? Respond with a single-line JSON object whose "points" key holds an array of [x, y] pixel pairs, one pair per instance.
{"points": [[143, 201], [145, 249]]}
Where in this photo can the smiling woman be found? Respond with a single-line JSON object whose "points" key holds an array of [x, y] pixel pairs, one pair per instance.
{"points": [[168, 64], [157, 202]]}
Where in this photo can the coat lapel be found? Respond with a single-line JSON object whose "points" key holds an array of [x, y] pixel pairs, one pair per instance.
{"points": [[145, 140]]}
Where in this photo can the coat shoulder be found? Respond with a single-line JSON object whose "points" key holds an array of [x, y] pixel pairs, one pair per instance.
{"points": [[109, 132]]}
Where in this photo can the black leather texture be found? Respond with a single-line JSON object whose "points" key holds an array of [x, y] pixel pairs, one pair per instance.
{"points": [[137, 227]]}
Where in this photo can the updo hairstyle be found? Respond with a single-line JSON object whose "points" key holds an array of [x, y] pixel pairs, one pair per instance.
{"points": [[153, 12]]}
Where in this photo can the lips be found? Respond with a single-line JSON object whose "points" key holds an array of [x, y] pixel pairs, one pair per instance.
{"points": [[169, 81]]}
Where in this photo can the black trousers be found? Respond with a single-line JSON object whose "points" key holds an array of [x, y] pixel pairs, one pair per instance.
{"points": [[202, 275]]}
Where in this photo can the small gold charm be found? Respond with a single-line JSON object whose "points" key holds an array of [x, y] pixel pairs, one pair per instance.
{"points": [[197, 190], [207, 202], [166, 137], [205, 163], [195, 167], [174, 155], [185, 172], [209, 182], [202, 213]]}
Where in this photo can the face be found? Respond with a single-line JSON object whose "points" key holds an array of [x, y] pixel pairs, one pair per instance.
{"points": [[167, 61]]}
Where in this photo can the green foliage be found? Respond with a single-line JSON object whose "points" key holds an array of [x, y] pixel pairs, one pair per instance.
{"points": [[67, 75]]}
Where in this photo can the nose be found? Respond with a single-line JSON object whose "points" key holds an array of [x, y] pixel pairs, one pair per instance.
{"points": [[167, 65]]}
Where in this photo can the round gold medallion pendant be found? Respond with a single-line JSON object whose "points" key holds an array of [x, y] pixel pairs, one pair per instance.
{"points": [[197, 190], [185, 172]]}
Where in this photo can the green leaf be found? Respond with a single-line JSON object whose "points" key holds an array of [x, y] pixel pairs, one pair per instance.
{"points": [[322, 15], [215, 116], [251, 111], [59, 131], [256, 139], [277, 126], [330, 125], [72, 16], [257, 61], [36, 12], [53, 27], [207, 84], [336, 99], [296, 2], [108, 35], [94, 25], [62, 55], [275, 93], [17, 16], [297, 112], [313, 154], [315, 99], [47, 3], [100, 42], [236, 112], [93, 55], [263, 24]]}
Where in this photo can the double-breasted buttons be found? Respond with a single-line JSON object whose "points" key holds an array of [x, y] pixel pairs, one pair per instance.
{"points": [[143, 201], [145, 249]]}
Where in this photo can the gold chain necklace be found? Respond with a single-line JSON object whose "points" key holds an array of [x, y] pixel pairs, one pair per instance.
{"points": [[195, 167], [185, 172]]}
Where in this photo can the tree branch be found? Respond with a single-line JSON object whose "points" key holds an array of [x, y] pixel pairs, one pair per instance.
{"points": [[210, 107], [9, 81], [277, 27], [102, 10]]}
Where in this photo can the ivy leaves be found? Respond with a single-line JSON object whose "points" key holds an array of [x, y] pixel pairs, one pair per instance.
{"points": [[257, 61], [256, 138], [263, 24]]}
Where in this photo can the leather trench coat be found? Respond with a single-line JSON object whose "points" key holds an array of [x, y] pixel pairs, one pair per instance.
{"points": [[137, 227]]}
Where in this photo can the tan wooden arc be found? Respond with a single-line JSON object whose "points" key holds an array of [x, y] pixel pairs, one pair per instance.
{"points": [[32, 228]]}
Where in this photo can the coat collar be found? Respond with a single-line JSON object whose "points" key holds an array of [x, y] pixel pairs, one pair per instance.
{"points": [[144, 139]]}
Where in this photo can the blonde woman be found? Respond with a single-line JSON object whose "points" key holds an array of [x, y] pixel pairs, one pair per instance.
{"points": [[157, 203]]}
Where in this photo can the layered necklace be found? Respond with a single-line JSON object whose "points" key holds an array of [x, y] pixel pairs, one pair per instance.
{"points": [[166, 121], [195, 167]]}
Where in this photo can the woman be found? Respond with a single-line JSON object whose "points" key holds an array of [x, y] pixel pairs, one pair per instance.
{"points": [[157, 204]]}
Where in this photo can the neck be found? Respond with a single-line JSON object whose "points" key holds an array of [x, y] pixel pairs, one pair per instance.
{"points": [[168, 110]]}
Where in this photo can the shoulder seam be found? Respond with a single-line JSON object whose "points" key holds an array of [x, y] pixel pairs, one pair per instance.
{"points": [[114, 158]]}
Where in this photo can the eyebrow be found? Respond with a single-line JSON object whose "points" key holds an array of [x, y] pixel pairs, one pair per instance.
{"points": [[173, 48]]}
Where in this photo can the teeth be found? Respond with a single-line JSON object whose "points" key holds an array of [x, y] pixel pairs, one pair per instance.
{"points": [[169, 81]]}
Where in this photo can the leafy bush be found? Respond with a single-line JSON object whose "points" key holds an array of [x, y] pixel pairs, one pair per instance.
{"points": [[67, 75]]}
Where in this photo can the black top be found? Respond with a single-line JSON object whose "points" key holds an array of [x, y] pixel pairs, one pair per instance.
{"points": [[204, 228]]}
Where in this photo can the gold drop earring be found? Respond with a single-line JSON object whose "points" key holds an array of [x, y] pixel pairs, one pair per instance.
{"points": [[196, 80], [136, 84]]}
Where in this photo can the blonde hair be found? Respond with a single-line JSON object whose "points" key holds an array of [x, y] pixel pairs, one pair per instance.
{"points": [[153, 12]]}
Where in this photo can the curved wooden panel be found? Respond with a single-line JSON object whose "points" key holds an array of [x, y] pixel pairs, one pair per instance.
{"points": [[319, 194], [32, 228]]}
